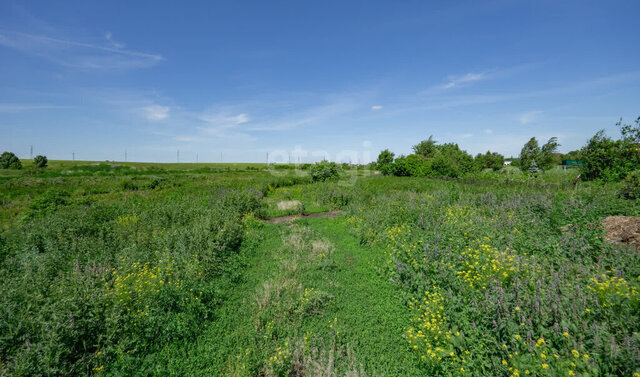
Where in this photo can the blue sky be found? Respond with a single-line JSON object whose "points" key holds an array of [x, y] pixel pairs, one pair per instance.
{"points": [[340, 79]]}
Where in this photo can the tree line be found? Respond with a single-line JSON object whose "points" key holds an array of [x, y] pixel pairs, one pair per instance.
{"points": [[602, 158]]}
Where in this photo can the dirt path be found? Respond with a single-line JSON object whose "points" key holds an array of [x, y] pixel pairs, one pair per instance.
{"points": [[285, 219]]}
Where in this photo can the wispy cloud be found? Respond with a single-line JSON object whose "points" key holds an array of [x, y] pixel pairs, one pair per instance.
{"points": [[465, 79], [156, 112], [218, 121], [77, 54], [18, 107], [456, 82], [376, 107], [529, 117]]}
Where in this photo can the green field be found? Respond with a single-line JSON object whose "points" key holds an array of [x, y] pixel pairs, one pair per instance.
{"points": [[171, 269]]}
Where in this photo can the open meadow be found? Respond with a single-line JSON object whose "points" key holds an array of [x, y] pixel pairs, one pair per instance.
{"points": [[148, 269]]}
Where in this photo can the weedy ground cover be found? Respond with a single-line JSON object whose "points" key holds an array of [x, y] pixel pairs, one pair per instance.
{"points": [[497, 285], [155, 270]]}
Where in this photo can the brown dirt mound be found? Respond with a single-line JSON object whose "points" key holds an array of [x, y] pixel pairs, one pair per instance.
{"points": [[623, 229]]}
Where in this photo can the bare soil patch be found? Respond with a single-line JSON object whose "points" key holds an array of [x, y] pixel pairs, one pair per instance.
{"points": [[623, 229], [289, 204], [284, 219]]}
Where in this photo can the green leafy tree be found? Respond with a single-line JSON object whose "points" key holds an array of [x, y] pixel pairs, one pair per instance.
{"points": [[529, 153], [400, 167], [489, 160], [545, 157], [549, 156], [451, 161], [426, 148], [606, 159], [324, 171], [573, 155], [9, 160], [385, 162], [40, 161]]}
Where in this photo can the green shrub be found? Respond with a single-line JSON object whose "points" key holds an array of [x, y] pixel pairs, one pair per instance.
{"points": [[129, 185], [611, 160], [631, 189], [489, 160], [384, 162], [9, 160], [324, 170], [40, 161]]}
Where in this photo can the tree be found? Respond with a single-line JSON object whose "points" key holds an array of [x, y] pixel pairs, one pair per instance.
{"points": [[324, 170], [545, 157], [611, 160], [491, 160], [548, 155], [529, 153], [385, 160], [40, 161], [9, 160], [425, 148]]}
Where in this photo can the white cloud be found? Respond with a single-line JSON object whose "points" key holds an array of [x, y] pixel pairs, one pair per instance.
{"points": [[376, 107], [109, 37], [455, 81], [488, 131], [156, 112], [77, 54], [529, 117], [216, 121]]}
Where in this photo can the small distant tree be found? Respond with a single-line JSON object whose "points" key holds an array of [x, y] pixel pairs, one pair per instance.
{"points": [[492, 160], [529, 153], [548, 154], [9, 160], [545, 157], [40, 161], [533, 169], [324, 170], [426, 148], [385, 162]]}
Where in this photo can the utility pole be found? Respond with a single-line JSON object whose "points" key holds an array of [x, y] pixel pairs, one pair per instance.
{"points": [[31, 152], [178, 156], [267, 158], [73, 156]]}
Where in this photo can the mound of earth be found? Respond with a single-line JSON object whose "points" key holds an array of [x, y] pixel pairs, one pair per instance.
{"points": [[623, 229]]}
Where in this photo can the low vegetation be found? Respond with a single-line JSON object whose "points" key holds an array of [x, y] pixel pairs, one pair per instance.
{"points": [[123, 269]]}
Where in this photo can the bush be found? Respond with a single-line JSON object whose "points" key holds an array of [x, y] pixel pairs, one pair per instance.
{"points": [[9, 160], [385, 160], [491, 160], [631, 189], [611, 160], [324, 170], [40, 161], [128, 185]]}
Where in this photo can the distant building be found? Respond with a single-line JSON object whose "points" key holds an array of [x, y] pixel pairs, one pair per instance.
{"points": [[507, 162]]}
